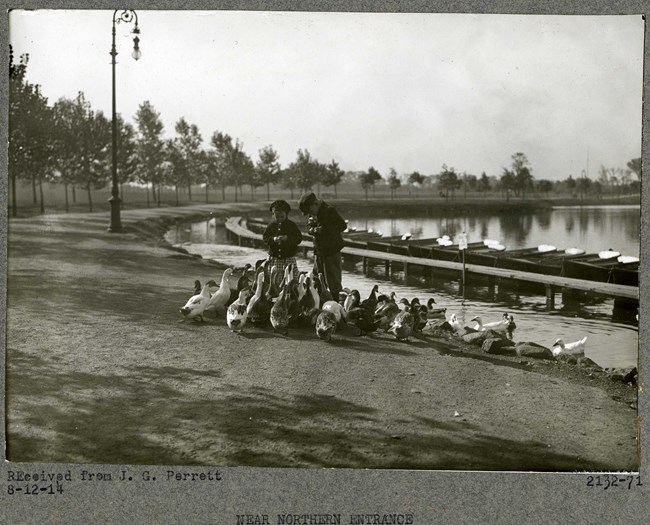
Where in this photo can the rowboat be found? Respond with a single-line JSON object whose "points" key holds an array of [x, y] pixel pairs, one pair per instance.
{"points": [[614, 269]]}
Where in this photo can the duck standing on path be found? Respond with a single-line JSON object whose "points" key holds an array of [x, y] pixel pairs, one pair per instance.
{"points": [[338, 311], [260, 310], [196, 305], [242, 282], [280, 312], [236, 314], [221, 297], [363, 319], [326, 325], [352, 300], [384, 315], [370, 303], [239, 310], [574, 348], [402, 326]]}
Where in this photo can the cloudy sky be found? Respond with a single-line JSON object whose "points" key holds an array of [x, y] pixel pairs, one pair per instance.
{"points": [[408, 91]]}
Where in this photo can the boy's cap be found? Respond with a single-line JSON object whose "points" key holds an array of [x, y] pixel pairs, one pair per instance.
{"points": [[306, 200], [280, 205]]}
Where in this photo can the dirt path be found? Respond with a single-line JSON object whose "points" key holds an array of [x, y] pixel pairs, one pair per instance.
{"points": [[100, 370]]}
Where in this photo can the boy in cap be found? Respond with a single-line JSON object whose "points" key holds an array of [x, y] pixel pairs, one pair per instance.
{"points": [[282, 236], [326, 225]]}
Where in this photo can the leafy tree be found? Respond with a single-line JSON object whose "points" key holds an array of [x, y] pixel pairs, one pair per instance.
{"points": [[469, 182], [149, 148], [304, 170], [173, 171], [368, 179], [522, 174], [31, 144], [449, 181], [288, 179], [127, 161], [603, 176], [598, 189], [507, 182], [69, 119], [235, 166], [222, 145], [394, 182], [483, 184], [544, 186], [332, 175], [188, 143], [415, 179], [204, 171], [95, 153], [215, 174], [83, 145], [268, 168], [635, 166], [583, 185], [570, 184]]}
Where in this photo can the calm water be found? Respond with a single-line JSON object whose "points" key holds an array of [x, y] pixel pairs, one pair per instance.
{"points": [[610, 343], [591, 228]]}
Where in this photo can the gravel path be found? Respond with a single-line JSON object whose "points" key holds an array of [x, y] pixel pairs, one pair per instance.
{"points": [[101, 370]]}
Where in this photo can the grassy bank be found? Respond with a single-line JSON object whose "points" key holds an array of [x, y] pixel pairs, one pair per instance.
{"points": [[349, 196]]}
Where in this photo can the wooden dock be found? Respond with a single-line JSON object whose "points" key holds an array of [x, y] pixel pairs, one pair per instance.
{"points": [[553, 284]]}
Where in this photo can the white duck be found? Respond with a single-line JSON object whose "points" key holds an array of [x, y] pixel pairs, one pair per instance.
{"points": [[574, 348], [454, 322], [222, 295], [312, 290], [502, 324], [326, 325], [336, 308], [196, 305], [238, 311]]}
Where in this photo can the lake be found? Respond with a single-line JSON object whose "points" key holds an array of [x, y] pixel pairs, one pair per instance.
{"points": [[611, 343], [592, 228]]}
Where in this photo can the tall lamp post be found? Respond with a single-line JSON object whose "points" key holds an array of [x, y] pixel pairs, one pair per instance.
{"points": [[127, 15]]}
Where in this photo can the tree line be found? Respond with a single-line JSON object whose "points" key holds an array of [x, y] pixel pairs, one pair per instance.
{"points": [[70, 143]]}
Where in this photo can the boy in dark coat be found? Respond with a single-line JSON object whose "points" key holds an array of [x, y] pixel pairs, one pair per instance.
{"points": [[326, 225], [282, 236]]}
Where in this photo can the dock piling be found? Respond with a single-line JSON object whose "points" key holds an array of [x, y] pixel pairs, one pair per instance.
{"points": [[550, 297]]}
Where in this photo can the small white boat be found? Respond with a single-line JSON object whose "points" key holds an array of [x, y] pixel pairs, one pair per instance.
{"points": [[489, 242], [627, 259], [546, 248], [608, 254], [574, 251]]}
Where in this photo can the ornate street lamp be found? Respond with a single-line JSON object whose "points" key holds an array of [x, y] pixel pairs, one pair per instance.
{"points": [[127, 15]]}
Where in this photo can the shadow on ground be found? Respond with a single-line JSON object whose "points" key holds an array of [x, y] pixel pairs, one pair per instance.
{"points": [[144, 418]]}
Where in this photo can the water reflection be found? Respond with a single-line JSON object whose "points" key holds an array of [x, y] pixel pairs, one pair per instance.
{"points": [[591, 228]]}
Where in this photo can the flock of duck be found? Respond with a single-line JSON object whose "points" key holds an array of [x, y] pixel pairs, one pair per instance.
{"points": [[267, 294]]}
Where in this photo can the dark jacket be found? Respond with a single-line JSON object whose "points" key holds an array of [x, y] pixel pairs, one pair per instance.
{"points": [[284, 249], [329, 240]]}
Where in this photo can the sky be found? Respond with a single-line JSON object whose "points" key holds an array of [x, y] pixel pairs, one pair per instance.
{"points": [[409, 91]]}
